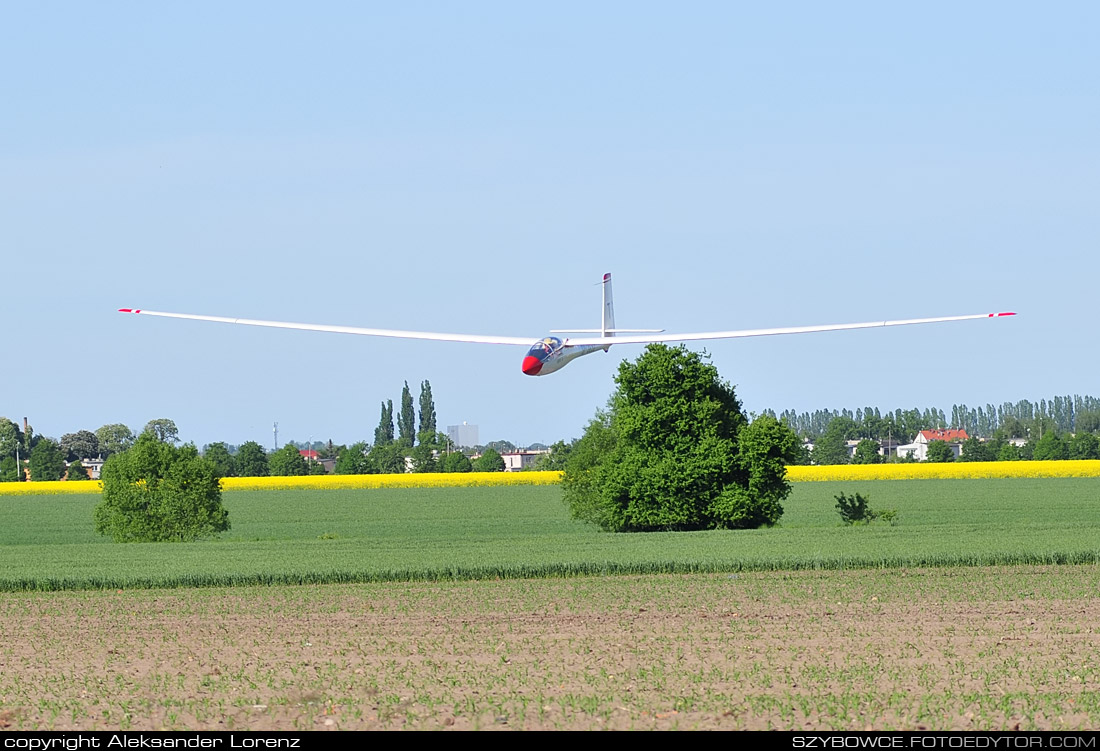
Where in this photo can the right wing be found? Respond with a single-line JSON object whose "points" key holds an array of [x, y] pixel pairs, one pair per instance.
{"points": [[707, 335], [393, 333]]}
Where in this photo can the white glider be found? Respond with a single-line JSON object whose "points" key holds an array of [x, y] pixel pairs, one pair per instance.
{"points": [[552, 353]]}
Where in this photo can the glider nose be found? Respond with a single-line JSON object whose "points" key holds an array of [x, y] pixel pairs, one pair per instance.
{"points": [[531, 365]]}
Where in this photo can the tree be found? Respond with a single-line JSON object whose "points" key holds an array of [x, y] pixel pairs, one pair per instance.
{"points": [[218, 454], [76, 472], [1051, 447], [383, 434], [456, 461], [866, 452], [427, 413], [1009, 452], [11, 438], [388, 459], [353, 460], [47, 461], [82, 444], [288, 462], [114, 439], [831, 447], [489, 461], [975, 450], [156, 492], [163, 429], [252, 460], [406, 420], [9, 471], [674, 451], [1084, 446], [939, 451], [556, 459]]}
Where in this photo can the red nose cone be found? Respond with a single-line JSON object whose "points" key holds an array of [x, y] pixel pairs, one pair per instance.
{"points": [[531, 365]]}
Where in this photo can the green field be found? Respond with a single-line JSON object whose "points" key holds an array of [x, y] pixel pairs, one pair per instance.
{"points": [[47, 542]]}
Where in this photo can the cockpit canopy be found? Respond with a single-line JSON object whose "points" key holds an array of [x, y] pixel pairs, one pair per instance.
{"points": [[543, 348]]}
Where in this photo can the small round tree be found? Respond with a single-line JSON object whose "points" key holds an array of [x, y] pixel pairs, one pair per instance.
{"points": [[675, 452], [489, 461], [156, 492]]}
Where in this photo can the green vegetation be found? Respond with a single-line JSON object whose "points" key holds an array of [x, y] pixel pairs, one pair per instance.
{"points": [[675, 452], [855, 509], [155, 492], [47, 542]]}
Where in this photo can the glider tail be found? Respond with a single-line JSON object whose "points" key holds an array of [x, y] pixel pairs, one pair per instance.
{"points": [[607, 323]]}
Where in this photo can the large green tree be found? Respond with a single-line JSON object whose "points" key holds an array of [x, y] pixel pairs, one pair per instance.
{"points": [[1051, 447], [674, 452], [866, 452], [47, 461], [156, 492], [114, 438], [456, 461], [406, 419], [251, 460], [388, 459]]}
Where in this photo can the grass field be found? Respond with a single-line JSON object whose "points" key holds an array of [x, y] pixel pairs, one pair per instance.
{"points": [[467, 608], [313, 536]]}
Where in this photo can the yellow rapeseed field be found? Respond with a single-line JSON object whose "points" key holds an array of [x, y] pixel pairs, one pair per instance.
{"points": [[840, 472], [946, 471]]}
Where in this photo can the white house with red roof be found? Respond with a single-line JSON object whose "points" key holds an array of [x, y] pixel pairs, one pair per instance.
{"points": [[918, 449]]}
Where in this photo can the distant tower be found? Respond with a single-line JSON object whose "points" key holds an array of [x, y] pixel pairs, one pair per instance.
{"points": [[275, 430], [463, 435]]}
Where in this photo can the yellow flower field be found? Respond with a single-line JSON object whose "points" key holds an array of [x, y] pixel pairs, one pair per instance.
{"points": [[841, 472], [327, 482], [948, 471]]}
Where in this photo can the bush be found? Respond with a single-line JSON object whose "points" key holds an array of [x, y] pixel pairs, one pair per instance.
{"points": [[674, 452], [855, 509], [155, 492]]}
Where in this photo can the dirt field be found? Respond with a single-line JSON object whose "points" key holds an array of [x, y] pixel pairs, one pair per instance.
{"points": [[936, 649]]}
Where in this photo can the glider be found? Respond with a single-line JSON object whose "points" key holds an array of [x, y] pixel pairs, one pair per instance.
{"points": [[552, 353]]}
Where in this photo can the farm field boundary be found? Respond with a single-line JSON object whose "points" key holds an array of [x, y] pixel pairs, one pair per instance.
{"points": [[825, 473], [410, 534]]}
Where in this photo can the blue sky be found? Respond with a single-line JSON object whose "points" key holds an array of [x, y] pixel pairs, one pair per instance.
{"points": [[477, 167]]}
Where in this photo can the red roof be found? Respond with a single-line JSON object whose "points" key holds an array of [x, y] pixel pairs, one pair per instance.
{"points": [[950, 436], [309, 454]]}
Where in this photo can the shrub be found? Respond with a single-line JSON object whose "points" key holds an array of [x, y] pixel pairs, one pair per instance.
{"points": [[855, 509], [155, 492]]}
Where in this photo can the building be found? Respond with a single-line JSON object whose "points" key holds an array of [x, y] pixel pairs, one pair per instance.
{"points": [[463, 436], [517, 461], [918, 449]]}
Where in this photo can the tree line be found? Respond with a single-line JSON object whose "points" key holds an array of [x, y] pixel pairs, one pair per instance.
{"points": [[1061, 414]]}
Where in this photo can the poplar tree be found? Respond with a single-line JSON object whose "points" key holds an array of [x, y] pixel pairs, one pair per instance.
{"points": [[383, 434], [427, 412], [406, 421]]}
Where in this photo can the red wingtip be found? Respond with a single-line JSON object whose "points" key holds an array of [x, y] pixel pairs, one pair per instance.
{"points": [[606, 277], [1005, 314], [125, 310]]}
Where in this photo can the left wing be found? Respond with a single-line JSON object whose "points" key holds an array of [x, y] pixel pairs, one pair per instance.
{"points": [[393, 333], [605, 340]]}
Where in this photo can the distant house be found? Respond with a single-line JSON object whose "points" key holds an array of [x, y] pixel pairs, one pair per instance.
{"points": [[516, 461], [918, 449], [313, 457]]}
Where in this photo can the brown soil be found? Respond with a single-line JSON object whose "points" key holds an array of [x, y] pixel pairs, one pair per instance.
{"points": [[854, 650]]}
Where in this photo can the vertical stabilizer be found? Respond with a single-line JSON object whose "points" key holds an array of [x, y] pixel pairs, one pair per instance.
{"points": [[607, 324]]}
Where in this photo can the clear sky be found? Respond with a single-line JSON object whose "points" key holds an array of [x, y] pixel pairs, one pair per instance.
{"points": [[475, 167]]}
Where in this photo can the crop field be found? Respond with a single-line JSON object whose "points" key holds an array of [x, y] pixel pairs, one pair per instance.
{"points": [[488, 608]]}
